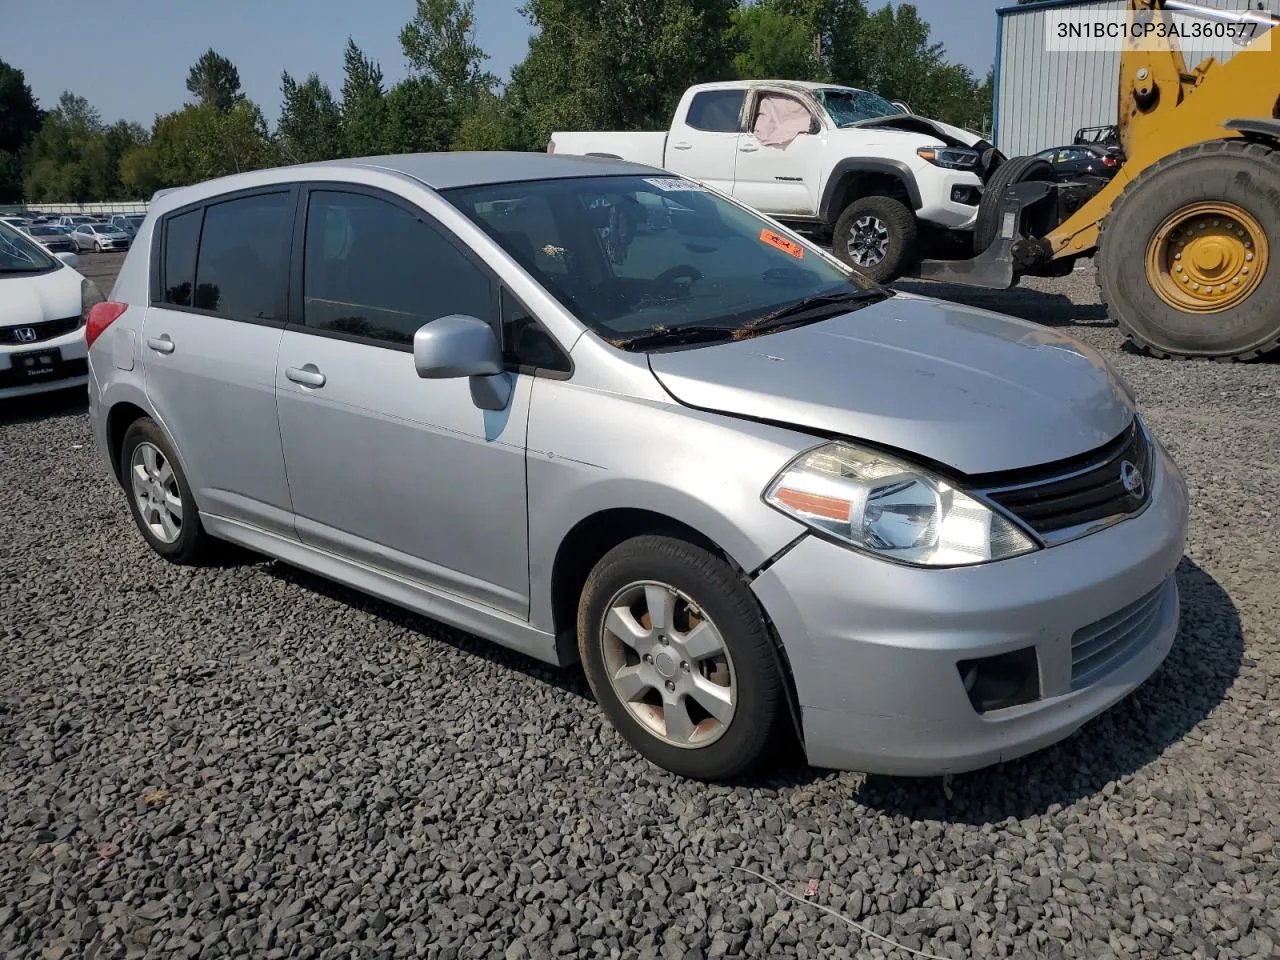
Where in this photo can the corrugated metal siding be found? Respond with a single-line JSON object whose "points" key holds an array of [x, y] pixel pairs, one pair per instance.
{"points": [[1044, 97]]}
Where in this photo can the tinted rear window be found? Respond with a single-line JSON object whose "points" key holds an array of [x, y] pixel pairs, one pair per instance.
{"points": [[244, 257], [716, 110], [182, 234]]}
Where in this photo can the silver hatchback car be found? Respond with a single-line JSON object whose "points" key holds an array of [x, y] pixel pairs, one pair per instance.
{"points": [[598, 413]]}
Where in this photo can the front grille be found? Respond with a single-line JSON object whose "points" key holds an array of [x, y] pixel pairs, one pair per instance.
{"points": [[45, 330], [63, 371], [1101, 647], [1084, 490]]}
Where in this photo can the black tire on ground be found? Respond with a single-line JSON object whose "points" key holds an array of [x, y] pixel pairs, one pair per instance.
{"points": [[1240, 172], [1017, 170], [193, 544], [903, 230], [760, 707]]}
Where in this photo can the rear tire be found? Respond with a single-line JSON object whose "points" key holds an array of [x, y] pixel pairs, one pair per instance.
{"points": [[881, 232], [1017, 170], [181, 539], [731, 667], [1228, 174]]}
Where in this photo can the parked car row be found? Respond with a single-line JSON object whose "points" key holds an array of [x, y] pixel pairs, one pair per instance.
{"points": [[79, 233]]}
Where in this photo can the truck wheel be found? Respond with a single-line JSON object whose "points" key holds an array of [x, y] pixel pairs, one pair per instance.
{"points": [[1017, 170], [1185, 255], [878, 237]]}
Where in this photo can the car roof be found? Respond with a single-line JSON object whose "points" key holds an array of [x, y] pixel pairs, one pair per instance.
{"points": [[799, 85]]}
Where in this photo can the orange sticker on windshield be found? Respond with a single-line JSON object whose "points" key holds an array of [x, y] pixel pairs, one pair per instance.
{"points": [[782, 243]]}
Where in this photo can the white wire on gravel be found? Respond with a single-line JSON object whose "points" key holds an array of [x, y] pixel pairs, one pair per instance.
{"points": [[839, 916]]}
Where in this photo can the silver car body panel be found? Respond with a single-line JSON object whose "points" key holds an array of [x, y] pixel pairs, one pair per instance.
{"points": [[403, 488], [976, 391]]}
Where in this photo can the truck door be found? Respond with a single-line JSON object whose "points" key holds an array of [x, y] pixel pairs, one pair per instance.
{"points": [[780, 157], [703, 143]]}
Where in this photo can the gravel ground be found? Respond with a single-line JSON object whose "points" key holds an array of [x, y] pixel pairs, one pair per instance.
{"points": [[246, 760]]}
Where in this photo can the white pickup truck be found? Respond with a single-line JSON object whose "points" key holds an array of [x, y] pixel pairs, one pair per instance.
{"points": [[887, 186]]}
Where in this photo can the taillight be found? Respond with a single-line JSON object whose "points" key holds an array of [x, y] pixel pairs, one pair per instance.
{"points": [[101, 316], [1109, 161]]}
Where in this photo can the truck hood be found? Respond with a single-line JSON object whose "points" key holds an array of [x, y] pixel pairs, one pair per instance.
{"points": [[932, 129], [975, 391]]}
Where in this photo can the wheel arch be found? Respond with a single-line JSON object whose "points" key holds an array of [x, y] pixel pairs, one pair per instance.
{"points": [[593, 536], [853, 178], [119, 418]]}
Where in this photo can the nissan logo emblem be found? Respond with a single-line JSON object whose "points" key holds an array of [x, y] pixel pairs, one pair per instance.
{"points": [[1131, 477], [25, 334]]}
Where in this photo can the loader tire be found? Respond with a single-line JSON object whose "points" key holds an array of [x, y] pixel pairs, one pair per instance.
{"points": [[1210, 212], [1017, 170]]}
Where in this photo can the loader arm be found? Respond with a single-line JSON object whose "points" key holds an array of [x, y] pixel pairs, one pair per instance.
{"points": [[1164, 107]]}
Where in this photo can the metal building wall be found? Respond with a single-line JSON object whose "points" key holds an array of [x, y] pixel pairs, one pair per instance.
{"points": [[1043, 98]]}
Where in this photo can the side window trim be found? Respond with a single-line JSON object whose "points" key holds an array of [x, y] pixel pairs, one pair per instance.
{"points": [[297, 262], [159, 237]]}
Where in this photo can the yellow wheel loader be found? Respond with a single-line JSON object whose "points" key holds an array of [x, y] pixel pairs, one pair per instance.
{"points": [[1186, 237]]}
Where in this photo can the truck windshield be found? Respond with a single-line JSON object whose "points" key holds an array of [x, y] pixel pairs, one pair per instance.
{"points": [[847, 106], [636, 256], [18, 254]]}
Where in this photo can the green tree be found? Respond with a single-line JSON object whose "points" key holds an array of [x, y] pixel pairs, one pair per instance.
{"points": [[363, 106], [201, 142], [214, 81], [20, 120], [439, 43], [623, 64], [310, 125], [772, 43], [67, 155], [487, 126], [417, 118]]}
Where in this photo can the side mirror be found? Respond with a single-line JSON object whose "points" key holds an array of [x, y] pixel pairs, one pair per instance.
{"points": [[462, 346], [70, 259]]}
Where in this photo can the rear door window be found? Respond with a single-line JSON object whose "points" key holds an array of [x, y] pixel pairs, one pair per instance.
{"points": [[243, 264], [716, 111], [181, 237]]}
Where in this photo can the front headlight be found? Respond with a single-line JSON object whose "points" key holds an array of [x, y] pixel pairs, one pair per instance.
{"points": [[953, 158], [881, 505]]}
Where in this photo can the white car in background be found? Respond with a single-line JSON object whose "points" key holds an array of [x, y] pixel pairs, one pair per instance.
{"points": [[43, 303]]}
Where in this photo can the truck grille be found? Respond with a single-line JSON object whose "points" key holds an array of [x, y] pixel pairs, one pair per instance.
{"points": [[1084, 490], [1101, 647], [45, 330]]}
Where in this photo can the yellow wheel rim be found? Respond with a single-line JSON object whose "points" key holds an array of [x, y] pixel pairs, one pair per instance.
{"points": [[1207, 258]]}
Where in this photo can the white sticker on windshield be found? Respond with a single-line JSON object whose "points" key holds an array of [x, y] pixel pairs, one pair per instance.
{"points": [[675, 185]]}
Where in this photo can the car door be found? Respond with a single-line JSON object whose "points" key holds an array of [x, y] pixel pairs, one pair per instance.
{"points": [[401, 473], [779, 178], [703, 142], [210, 338]]}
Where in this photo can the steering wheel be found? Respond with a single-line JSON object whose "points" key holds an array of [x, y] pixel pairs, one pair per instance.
{"points": [[681, 271]]}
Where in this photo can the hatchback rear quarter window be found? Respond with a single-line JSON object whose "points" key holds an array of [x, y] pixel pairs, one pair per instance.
{"points": [[181, 236]]}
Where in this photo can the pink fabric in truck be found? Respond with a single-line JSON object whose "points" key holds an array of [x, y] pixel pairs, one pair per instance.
{"points": [[779, 120]]}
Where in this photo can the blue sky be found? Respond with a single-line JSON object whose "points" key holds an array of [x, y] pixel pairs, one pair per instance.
{"points": [[130, 57]]}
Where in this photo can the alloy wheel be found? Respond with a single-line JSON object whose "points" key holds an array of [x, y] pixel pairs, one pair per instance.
{"points": [[155, 491], [868, 241], [669, 665]]}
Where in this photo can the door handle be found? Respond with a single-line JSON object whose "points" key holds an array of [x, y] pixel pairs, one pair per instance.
{"points": [[682, 146], [308, 375], [748, 149], [161, 344]]}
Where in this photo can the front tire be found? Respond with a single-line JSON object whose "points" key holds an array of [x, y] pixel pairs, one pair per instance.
{"points": [[159, 495], [879, 237], [97, 246], [680, 659], [1187, 255]]}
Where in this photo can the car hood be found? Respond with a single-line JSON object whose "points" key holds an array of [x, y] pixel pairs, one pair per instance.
{"points": [[32, 299], [975, 391], [932, 129]]}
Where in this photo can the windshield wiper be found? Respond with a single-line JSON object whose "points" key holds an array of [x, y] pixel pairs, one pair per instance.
{"points": [[672, 336], [794, 313]]}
